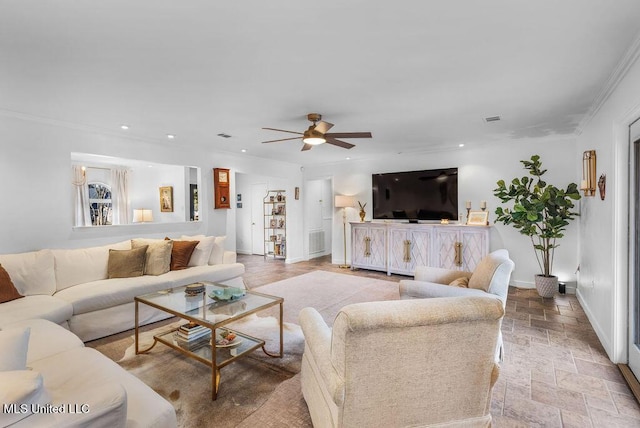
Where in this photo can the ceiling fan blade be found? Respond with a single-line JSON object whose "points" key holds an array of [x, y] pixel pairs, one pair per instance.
{"points": [[306, 147], [339, 143], [323, 127], [349, 135], [283, 139], [283, 130]]}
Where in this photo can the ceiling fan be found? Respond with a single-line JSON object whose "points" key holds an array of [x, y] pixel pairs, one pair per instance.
{"points": [[317, 134]]}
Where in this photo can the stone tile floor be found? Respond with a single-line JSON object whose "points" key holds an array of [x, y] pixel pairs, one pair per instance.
{"points": [[555, 372]]}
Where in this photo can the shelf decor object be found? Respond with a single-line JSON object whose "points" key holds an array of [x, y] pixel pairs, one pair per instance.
{"points": [[221, 197], [588, 183], [344, 202], [478, 218]]}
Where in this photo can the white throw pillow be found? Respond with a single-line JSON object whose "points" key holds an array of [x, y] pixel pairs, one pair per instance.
{"points": [[217, 253], [202, 252], [14, 343], [20, 389]]}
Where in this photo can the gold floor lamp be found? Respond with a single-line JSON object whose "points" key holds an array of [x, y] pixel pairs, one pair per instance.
{"points": [[343, 201]]}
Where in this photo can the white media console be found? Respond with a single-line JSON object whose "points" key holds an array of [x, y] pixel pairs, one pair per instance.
{"points": [[400, 247]]}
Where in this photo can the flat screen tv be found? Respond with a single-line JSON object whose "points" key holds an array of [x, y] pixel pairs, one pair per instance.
{"points": [[416, 195]]}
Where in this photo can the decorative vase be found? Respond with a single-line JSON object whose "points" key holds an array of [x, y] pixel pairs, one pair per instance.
{"points": [[362, 214], [546, 285]]}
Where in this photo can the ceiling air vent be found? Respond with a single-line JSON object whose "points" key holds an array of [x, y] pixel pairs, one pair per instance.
{"points": [[492, 119], [223, 135]]}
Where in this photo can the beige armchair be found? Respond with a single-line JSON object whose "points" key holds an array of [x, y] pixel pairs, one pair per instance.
{"points": [[402, 363], [490, 277]]}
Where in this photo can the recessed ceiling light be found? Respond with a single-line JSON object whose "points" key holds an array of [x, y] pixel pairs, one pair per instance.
{"points": [[244, 150], [171, 136], [125, 127], [460, 145], [347, 158]]}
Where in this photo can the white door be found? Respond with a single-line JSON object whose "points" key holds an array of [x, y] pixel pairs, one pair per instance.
{"points": [[258, 192], [634, 250]]}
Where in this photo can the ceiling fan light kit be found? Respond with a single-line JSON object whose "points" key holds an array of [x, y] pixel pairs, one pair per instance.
{"points": [[318, 134]]}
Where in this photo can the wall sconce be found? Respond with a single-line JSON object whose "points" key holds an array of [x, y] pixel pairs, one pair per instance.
{"points": [[588, 183], [142, 215]]}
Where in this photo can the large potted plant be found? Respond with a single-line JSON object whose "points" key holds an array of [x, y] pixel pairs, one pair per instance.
{"points": [[540, 211]]}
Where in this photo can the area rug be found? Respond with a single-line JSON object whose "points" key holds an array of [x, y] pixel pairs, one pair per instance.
{"points": [[256, 390]]}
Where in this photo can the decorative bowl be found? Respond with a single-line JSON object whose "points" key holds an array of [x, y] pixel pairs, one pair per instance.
{"points": [[226, 294]]}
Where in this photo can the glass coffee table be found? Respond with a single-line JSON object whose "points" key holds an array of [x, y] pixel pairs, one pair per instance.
{"points": [[207, 310]]}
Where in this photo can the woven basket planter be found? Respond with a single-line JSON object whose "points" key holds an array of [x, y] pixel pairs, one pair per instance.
{"points": [[546, 285]]}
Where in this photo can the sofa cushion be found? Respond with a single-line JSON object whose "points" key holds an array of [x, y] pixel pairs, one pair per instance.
{"points": [[202, 252], [83, 265], [32, 273], [38, 306], [84, 375], [14, 343], [23, 388], [158, 258], [126, 263], [181, 254], [8, 291], [46, 338], [106, 293]]}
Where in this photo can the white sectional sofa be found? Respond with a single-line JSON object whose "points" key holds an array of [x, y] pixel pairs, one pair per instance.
{"points": [[71, 288], [64, 384]]}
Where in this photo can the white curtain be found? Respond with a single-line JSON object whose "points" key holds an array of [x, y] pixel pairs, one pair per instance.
{"points": [[120, 196], [82, 215]]}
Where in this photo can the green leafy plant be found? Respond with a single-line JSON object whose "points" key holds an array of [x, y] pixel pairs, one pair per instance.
{"points": [[540, 210]]}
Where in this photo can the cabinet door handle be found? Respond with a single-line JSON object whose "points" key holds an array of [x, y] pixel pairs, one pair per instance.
{"points": [[458, 250], [367, 246], [407, 251]]}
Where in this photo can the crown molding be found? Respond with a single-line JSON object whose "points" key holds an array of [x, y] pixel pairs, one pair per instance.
{"points": [[621, 70], [76, 126]]}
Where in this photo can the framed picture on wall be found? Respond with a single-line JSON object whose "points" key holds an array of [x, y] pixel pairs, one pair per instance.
{"points": [[166, 199]]}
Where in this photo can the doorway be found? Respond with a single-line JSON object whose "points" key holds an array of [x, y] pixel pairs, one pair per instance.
{"points": [[318, 209]]}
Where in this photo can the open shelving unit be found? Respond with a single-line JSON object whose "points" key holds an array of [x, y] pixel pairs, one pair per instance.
{"points": [[275, 224]]}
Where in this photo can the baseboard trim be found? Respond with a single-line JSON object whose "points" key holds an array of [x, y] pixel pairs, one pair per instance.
{"points": [[632, 381]]}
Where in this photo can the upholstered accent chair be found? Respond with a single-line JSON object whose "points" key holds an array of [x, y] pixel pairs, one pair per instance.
{"points": [[422, 362], [491, 276]]}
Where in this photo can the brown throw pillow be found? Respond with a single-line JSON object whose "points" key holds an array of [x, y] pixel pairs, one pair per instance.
{"points": [[126, 263], [460, 282], [181, 254], [8, 291]]}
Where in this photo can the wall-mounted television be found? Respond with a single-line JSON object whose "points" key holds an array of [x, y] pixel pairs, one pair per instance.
{"points": [[416, 195]]}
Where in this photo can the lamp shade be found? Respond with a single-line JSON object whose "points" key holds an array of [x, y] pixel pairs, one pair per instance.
{"points": [[343, 201], [141, 215]]}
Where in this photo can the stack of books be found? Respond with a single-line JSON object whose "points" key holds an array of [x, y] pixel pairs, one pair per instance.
{"points": [[192, 332]]}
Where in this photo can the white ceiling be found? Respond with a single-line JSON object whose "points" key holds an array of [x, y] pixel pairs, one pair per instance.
{"points": [[420, 75]]}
